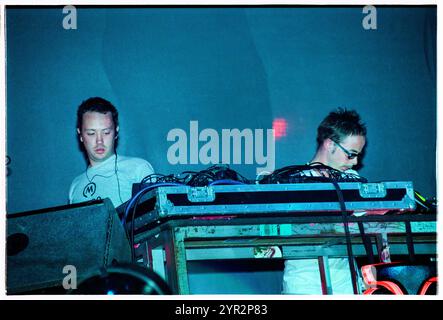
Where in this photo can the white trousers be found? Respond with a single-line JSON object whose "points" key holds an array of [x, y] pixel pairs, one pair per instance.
{"points": [[302, 276]]}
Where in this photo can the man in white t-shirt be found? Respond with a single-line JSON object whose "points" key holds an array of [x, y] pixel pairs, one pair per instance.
{"points": [[341, 138], [108, 175]]}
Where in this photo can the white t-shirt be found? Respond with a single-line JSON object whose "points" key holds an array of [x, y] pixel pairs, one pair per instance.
{"points": [[109, 179]]}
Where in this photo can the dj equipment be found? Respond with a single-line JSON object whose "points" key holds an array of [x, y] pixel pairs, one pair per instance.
{"points": [[40, 244], [216, 174], [268, 199], [314, 172]]}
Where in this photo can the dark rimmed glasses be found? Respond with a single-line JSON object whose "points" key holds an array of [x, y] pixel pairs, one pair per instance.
{"points": [[351, 155]]}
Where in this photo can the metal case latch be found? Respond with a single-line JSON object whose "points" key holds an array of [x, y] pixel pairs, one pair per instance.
{"points": [[372, 190], [201, 194]]}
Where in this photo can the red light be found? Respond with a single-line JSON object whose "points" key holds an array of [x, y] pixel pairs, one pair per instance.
{"points": [[427, 285], [279, 125]]}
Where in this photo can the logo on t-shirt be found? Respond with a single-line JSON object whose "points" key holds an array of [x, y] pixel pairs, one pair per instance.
{"points": [[89, 190]]}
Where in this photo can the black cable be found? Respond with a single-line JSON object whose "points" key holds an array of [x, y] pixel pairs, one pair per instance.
{"points": [[118, 180], [366, 242], [198, 178], [348, 236], [410, 242], [212, 174], [131, 235], [159, 178], [133, 228], [303, 174], [136, 200]]}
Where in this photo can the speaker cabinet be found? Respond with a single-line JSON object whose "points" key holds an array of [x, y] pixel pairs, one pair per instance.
{"points": [[44, 246]]}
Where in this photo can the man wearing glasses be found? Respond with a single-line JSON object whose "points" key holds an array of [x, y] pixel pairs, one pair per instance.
{"points": [[341, 138]]}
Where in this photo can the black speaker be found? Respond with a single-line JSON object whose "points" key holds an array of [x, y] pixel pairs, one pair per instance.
{"points": [[46, 246], [124, 279]]}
